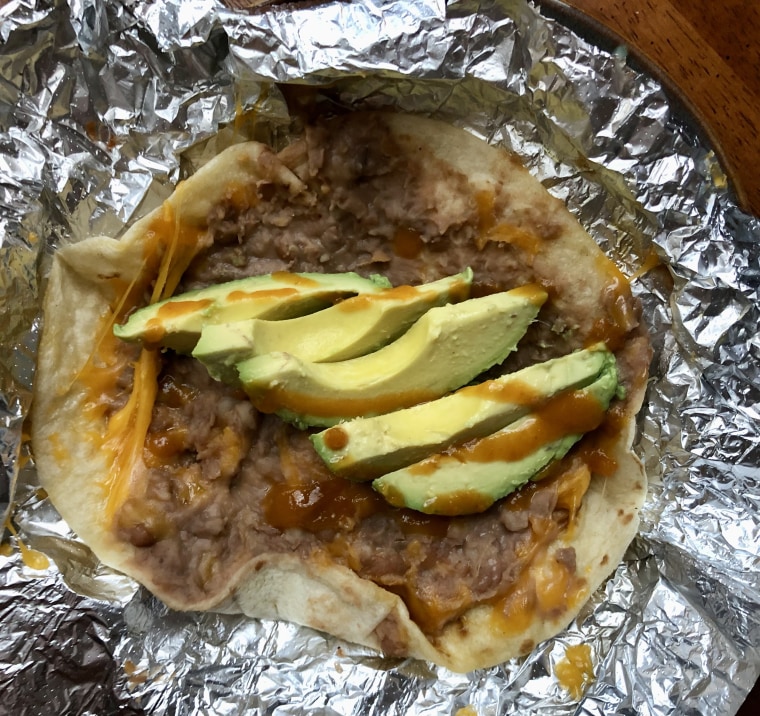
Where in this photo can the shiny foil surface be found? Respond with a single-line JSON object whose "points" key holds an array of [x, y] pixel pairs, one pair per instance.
{"points": [[99, 105]]}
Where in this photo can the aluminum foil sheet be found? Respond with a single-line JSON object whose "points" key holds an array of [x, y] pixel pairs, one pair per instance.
{"points": [[99, 103]]}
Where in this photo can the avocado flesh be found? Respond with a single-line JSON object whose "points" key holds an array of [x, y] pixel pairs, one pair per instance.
{"points": [[177, 321], [365, 448], [446, 348], [351, 328], [471, 477]]}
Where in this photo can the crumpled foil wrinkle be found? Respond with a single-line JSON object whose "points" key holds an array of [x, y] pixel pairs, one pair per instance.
{"points": [[103, 108]]}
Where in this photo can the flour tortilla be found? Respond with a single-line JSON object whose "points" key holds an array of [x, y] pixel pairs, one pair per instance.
{"points": [[328, 597]]}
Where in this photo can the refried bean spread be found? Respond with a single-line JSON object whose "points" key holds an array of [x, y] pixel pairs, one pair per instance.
{"points": [[226, 484]]}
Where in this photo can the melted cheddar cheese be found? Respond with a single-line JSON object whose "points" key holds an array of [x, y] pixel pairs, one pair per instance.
{"points": [[170, 246]]}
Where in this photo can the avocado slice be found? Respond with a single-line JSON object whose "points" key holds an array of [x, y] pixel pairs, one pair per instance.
{"points": [[177, 321], [351, 328], [471, 477], [365, 448], [446, 348]]}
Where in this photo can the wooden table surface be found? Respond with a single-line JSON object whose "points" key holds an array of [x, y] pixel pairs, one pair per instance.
{"points": [[708, 54]]}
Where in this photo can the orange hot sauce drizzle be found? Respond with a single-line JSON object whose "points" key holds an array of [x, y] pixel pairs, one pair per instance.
{"points": [[363, 301], [612, 328], [407, 243], [261, 294], [489, 230], [573, 412]]}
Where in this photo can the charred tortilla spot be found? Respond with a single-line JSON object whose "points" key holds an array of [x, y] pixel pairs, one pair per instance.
{"points": [[566, 557], [527, 646]]}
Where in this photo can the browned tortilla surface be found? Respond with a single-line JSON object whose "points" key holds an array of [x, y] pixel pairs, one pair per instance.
{"points": [[230, 508]]}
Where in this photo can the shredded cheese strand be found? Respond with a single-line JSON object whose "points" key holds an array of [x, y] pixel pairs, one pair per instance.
{"points": [[159, 290], [127, 429], [106, 328]]}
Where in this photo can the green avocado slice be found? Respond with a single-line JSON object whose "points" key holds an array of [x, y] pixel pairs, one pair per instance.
{"points": [[350, 328], [471, 477], [446, 348], [365, 448], [177, 321]]}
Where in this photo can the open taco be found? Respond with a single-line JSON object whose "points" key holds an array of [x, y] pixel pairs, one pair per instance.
{"points": [[202, 492]]}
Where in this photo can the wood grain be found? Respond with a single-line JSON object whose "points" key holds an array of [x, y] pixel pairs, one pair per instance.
{"points": [[710, 51]]}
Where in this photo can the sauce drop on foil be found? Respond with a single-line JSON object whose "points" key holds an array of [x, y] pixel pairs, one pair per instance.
{"points": [[576, 671], [466, 711], [30, 557], [650, 262]]}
